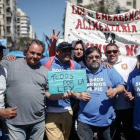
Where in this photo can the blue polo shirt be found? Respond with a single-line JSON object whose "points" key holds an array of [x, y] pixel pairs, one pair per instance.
{"points": [[133, 86], [58, 66], [98, 111]]}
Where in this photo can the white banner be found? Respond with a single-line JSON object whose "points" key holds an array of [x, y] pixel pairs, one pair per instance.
{"points": [[98, 29]]}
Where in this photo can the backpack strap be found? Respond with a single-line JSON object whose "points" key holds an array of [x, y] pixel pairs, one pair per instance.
{"points": [[49, 63], [72, 64]]}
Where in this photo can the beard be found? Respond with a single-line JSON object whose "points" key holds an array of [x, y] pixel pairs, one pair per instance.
{"points": [[95, 66]]}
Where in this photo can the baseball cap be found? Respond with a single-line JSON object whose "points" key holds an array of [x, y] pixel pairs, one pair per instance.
{"points": [[3, 43], [138, 51], [64, 45]]}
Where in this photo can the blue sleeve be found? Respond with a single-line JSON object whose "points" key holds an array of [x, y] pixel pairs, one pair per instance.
{"points": [[44, 60], [116, 78], [129, 84]]}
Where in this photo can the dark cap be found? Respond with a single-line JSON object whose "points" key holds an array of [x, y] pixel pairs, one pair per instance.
{"points": [[64, 45]]}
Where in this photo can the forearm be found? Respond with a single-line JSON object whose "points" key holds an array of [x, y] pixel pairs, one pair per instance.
{"points": [[76, 95], [53, 97], [119, 89], [52, 49]]}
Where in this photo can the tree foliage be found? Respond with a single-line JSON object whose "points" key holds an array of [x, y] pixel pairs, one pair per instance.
{"points": [[21, 43]]}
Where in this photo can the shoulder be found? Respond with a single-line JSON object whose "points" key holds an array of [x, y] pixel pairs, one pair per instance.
{"points": [[44, 60], [134, 73], [77, 66]]}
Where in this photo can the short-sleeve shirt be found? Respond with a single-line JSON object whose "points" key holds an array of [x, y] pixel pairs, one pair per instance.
{"points": [[26, 88]]}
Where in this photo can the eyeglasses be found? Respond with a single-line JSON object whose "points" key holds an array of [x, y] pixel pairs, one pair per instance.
{"points": [[91, 57], [110, 51]]}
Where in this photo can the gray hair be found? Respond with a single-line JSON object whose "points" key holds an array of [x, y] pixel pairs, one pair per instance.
{"points": [[36, 41]]}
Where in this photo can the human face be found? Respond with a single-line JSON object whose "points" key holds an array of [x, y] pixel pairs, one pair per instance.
{"points": [[112, 54], [93, 61], [78, 51], [1, 54], [34, 54], [63, 55]]}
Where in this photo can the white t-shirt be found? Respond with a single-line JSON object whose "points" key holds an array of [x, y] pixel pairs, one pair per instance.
{"points": [[3, 75], [124, 66]]}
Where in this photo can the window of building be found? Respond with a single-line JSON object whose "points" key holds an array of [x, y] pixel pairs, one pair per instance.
{"points": [[79, 1], [128, 3]]}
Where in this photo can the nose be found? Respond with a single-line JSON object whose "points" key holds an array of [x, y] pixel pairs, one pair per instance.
{"points": [[79, 50], [35, 55]]}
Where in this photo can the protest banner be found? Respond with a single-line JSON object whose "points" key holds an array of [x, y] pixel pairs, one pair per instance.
{"points": [[62, 81], [98, 29]]}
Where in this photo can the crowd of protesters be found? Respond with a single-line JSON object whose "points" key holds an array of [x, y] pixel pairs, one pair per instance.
{"points": [[108, 110]]}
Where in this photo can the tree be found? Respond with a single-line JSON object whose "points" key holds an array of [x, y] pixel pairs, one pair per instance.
{"points": [[22, 42]]}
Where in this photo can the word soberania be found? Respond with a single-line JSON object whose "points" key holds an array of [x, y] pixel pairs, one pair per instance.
{"points": [[62, 81]]}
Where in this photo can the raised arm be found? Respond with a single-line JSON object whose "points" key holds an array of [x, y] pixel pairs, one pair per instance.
{"points": [[53, 39]]}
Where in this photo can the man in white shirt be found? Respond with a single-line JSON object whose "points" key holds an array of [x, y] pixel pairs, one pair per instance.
{"points": [[123, 108]]}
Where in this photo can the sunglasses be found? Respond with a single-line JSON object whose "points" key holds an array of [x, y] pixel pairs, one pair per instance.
{"points": [[91, 57], [110, 51]]}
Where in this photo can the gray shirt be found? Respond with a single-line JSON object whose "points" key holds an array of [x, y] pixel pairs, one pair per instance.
{"points": [[26, 88]]}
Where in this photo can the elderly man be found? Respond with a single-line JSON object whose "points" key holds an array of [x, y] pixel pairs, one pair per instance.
{"points": [[123, 108], [133, 88], [26, 89], [103, 85], [59, 113]]}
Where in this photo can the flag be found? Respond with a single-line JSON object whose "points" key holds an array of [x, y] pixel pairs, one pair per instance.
{"points": [[47, 43]]}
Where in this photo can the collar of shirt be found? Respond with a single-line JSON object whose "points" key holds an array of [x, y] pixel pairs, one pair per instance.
{"points": [[118, 61]]}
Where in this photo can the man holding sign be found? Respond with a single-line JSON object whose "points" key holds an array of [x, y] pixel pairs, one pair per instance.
{"points": [[103, 85], [59, 113]]}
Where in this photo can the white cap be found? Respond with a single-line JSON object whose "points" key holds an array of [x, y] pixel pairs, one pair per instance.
{"points": [[138, 51]]}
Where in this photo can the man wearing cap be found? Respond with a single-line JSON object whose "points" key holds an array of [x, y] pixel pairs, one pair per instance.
{"points": [[7, 113], [59, 113], [123, 108], [133, 88]]}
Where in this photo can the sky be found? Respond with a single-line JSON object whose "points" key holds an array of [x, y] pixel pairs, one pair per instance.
{"points": [[44, 15]]}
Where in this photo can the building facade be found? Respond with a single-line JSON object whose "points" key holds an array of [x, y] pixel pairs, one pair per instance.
{"points": [[23, 24], [8, 21], [123, 4], [32, 33]]}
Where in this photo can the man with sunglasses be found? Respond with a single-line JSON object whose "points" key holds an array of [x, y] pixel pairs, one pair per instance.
{"points": [[103, 84], [123, 108]]}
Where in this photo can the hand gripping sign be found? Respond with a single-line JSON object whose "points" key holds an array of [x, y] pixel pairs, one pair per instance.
{"points": [[62, 81]]}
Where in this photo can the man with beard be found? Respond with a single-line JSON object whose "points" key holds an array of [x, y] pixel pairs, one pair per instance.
{"points": [[103, 85], [123, 108]]}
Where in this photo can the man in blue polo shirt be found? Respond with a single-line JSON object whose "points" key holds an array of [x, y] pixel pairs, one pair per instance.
{"points": [[133, 88], [59, 113], [103, 85]]}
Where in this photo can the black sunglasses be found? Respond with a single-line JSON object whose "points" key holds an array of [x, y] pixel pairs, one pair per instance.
{"points": [[110, 51]]}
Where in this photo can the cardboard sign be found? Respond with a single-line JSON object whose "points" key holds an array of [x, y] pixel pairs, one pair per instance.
{"points": [[62, 81]]}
